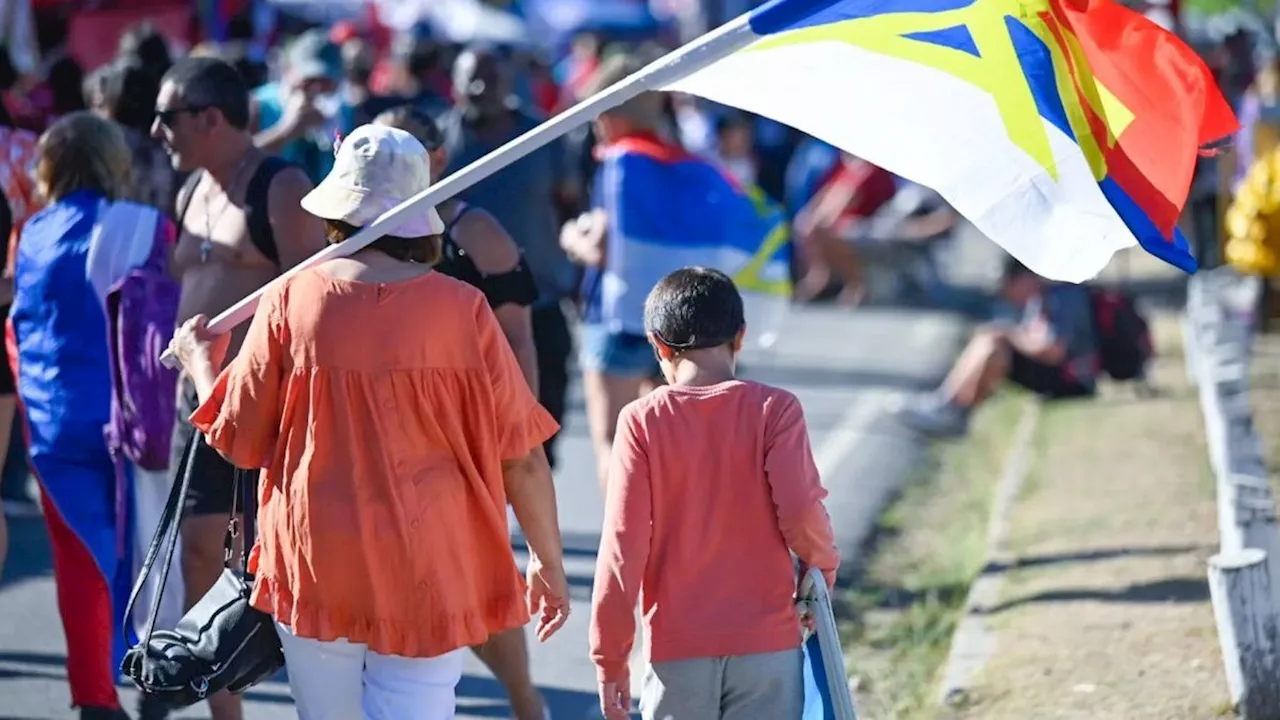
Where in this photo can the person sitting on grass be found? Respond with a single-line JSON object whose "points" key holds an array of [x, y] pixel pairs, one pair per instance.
{"points": [[711, 488], [1043, 339]]}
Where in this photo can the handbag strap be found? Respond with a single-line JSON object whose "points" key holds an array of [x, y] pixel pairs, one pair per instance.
{"points": [[245, 482], [167, 532]]}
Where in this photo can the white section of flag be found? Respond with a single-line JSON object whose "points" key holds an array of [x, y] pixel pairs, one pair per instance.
{"points": [[930, 127]]}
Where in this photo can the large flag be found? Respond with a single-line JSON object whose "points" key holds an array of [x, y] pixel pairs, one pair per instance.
{"points": [[1065, 130]]}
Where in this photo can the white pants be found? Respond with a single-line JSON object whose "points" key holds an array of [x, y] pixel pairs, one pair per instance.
{"points": [[342, 680]]}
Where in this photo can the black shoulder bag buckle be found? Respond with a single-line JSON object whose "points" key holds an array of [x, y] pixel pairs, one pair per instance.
{"points": [[223, 642]]}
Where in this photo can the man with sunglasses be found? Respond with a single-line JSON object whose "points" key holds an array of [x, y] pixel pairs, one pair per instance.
{"points": [[240, 225]]}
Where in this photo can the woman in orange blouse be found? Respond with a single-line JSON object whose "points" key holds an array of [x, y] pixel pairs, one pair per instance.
{"points": [[393, 425]]}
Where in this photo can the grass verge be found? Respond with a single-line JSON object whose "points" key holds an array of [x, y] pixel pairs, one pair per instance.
{"points": [[928, 548]]}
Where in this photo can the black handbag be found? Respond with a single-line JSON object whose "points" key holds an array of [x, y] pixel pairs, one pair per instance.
{"points": [[223, 642]]}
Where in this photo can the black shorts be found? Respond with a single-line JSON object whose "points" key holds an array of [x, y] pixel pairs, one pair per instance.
{"points": [[1045, 380], [212, 476]]}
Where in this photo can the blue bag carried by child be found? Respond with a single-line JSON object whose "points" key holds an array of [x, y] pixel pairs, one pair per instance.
{"points": [[826, 686]]}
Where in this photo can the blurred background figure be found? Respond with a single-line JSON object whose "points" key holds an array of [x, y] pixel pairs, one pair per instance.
{"points": [[144, 45], [734, 151], [20, 201], [854, 192], [358, 59], [127, 95], [415, 72], [1042, 340], [694, 126], [299, 116], [523, 197], [618, 365], [574, 72]]}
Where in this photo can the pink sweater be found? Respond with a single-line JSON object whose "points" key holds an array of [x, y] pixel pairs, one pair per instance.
{"points": [[710, 490]]}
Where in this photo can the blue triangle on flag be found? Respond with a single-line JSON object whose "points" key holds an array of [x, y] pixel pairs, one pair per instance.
{"points": [[956, 38]]}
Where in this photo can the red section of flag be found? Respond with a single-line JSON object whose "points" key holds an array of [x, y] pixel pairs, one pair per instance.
{"points": [[1176, 104]]}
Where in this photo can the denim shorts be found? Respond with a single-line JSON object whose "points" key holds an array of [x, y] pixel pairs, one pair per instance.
{"points": [[616, 353]]}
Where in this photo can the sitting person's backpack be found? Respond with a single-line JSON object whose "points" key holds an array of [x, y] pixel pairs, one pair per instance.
{"points": [[1123, 334]]}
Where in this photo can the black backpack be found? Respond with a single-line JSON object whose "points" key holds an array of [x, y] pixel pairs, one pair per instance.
{"points": [[1123, 333], [256, 217]]}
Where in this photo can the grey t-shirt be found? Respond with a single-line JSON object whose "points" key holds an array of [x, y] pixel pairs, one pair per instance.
{"points": [[521, 198]]}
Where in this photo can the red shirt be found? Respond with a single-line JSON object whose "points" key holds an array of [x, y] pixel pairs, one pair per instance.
{"points": [[710, 490], [871, 187]]}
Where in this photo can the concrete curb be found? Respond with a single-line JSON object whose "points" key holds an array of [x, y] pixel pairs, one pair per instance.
{"points": [[973, 642]]}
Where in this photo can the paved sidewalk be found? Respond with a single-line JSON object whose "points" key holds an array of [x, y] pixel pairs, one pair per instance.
{"points": [[843, 365], [1104, 611]]}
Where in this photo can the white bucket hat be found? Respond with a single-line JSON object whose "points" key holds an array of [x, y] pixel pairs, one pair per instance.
{"points": [[375, 169]]}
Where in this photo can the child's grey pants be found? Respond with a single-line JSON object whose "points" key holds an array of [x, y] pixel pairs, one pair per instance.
{"points": [[767, 686]]}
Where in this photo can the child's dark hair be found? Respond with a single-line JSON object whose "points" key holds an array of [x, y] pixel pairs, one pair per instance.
{"points": [[694, 308]]}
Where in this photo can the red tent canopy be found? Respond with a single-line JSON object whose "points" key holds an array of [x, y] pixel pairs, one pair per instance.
{"points": [[94, 34]]}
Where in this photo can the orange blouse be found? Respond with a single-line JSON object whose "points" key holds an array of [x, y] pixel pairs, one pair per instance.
{"points": [[381, 414]]}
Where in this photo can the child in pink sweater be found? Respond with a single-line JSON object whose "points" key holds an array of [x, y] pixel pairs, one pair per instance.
{"points": [[711, 488]]}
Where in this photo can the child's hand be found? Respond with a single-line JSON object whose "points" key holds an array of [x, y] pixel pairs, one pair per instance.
{"points": [[828, 575], [615, 699], [808, 622]]}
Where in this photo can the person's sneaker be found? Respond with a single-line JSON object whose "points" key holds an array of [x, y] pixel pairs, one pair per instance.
{"points": [[934, 416]]}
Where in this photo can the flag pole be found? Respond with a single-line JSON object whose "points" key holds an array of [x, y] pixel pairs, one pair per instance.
{"points": [[660, 73]]}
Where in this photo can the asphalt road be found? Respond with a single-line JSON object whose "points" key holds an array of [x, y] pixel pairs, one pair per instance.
{"points": [[843, 365]]}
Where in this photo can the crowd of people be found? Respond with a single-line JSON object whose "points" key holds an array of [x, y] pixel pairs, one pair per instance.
{"points": [[177, 186]]}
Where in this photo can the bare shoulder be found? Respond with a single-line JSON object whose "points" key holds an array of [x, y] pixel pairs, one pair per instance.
{"points": [[288, 188], [482, 237], [298, 233]]}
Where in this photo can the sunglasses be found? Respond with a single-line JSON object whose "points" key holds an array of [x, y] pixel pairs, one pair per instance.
{"points": [[167, 116]]}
